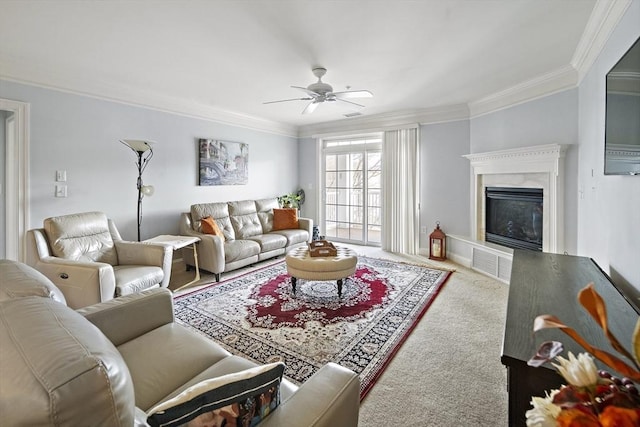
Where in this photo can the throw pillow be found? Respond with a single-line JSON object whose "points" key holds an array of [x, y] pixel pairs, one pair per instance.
{"points": [[284, 219], [242, 398], [209, 225]]}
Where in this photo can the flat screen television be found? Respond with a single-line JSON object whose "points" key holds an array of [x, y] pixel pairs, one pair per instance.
{"points": [[622, 119]]}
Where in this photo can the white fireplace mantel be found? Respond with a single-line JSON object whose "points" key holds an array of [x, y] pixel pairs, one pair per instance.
{"points": [[540, 166]]}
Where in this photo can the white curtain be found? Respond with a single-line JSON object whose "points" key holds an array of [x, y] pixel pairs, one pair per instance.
{"points": [[400, 191]]}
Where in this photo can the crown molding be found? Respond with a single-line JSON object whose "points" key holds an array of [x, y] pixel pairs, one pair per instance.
{"points": [[604, 18], [122, 94], [556, 81], [385, 121]]}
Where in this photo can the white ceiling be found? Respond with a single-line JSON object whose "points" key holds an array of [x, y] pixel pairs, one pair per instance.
{"points": [[225, 58]]}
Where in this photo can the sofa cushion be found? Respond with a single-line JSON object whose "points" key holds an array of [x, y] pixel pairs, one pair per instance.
{"points": [[266, 219], [240, 249], [270, 242], [267, 205], [284, 219], [81, 237], [244, 219], [242, 207], [217, 211], [246, 225], [240, 398], [294, 236], [265, 209], [156, 374], [203, 210], [135, 278], [210, 226]]}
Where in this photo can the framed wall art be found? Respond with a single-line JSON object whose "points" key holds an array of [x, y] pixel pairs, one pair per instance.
{"points": [[223, 162]]}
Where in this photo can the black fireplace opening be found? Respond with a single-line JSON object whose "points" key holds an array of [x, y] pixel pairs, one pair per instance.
{"points": [[514, 217]]}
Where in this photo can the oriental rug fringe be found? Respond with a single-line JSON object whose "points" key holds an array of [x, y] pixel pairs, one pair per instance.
{"points": [[258, 317]]}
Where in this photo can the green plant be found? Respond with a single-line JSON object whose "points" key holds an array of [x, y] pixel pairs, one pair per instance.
{"points": [[291, 200]]}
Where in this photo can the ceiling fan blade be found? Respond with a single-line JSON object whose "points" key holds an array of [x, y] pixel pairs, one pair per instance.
{"points": [[353, 94], [286, 100], [307, 91], [310, 108], [349, 102]]}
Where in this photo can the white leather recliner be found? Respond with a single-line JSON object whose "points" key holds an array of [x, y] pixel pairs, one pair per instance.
{"points": [[85, 257]]}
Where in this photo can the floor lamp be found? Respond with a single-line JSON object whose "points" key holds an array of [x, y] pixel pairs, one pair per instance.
{"points": [[144, 153]]}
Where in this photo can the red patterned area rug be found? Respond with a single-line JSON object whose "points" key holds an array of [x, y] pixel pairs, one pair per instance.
{"points": [[258, 317]]}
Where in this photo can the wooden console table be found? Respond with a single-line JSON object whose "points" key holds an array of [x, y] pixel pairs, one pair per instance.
{"points": [[544, 283]]}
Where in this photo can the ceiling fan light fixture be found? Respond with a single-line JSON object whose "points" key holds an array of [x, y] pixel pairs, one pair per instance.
{"points": [[320, 92]]}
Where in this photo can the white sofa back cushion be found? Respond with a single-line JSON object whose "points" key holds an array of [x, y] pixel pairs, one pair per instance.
{"points": [[265, 209], [81, 237], [244, 218], [217, 211]]}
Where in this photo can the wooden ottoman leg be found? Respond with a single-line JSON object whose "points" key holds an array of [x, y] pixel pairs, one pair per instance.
{"points": [[293, 283], [339, 287]]}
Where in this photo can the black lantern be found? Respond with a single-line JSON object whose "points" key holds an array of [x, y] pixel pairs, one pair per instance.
{"points": [[438, 244]]}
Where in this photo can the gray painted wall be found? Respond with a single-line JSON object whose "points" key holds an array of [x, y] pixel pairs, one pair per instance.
{"points": [[444, 179], [81, 135], [308, 172], [609, 208]]}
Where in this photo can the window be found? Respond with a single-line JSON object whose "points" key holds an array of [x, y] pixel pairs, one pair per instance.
{"points": [[352, 189]]}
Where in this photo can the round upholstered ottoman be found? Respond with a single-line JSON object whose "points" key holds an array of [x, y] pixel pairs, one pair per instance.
{"points": [[301, 265]]}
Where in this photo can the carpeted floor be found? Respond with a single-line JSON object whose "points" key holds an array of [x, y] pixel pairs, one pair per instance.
{"points": [[448, 371], [257, 316]]}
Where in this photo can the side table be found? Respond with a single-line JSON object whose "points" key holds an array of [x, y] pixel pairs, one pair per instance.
{"points": [[179, 242]]}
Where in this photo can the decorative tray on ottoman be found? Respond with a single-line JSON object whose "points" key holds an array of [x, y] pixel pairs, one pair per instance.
{"points": [[322, 248]]}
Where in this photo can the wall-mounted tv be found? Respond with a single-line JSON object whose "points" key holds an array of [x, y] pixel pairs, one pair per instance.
{"points": [[622, 120]]}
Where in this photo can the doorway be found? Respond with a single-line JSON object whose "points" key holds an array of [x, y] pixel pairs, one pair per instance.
{"points": [[15, 195], [352, 191]]}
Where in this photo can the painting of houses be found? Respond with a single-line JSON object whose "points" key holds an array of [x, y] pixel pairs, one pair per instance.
{"points": [[223, 162]]}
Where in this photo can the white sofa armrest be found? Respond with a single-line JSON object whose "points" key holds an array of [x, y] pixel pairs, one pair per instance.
{"points": [[331, 397], [125, 318], [81, 282], [306, 224], [210, 248]]}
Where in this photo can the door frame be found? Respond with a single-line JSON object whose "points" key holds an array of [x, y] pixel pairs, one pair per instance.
{"points": [[321, 179], [17, 181]]}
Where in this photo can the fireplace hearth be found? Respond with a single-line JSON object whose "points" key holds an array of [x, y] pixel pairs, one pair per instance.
{"points": [[514, 217]]}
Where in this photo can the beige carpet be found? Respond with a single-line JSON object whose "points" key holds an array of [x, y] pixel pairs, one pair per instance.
{"points": [[446, 374]]}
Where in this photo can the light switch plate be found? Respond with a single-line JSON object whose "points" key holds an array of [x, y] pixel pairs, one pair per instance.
{"points": [[61, 176], [61, 191]]}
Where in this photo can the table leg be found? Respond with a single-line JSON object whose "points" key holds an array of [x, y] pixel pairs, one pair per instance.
{"points": [[197, 278], [195, 257]]}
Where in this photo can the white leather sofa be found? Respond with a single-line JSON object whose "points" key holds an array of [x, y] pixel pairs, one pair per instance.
{"points": [[248, 234], [109, 363]]}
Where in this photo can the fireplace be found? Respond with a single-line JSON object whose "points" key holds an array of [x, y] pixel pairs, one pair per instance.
{"points": [[541, 167], [514, 217]]}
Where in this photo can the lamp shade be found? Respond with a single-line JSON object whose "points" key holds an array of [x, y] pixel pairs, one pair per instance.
{"points": [[138, 145]]}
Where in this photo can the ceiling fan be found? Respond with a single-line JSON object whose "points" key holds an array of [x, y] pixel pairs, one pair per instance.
{"points": [[320, 92]]}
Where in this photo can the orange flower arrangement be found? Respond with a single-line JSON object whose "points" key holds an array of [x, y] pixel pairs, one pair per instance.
{"points": [[591, 397]]}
